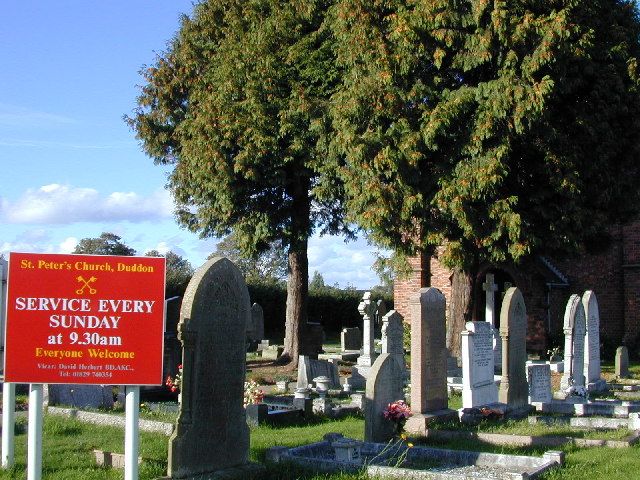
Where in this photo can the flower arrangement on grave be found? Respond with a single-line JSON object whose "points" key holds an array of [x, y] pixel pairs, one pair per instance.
{"points": [[576, 390], [173, 384], [252, 393], [554, 354], [397, 412]]}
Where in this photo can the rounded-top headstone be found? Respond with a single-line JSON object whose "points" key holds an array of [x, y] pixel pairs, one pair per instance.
{"points": [[212, 433]]}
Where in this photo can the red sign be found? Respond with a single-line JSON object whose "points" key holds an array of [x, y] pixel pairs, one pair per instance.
{"points": [[84, 319]]}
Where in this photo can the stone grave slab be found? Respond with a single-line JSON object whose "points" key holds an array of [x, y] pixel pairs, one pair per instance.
{"points": [[539, 378]]}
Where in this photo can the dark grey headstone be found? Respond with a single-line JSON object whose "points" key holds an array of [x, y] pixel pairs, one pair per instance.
{"points": [[211, 433], [81, 396], [350, 339]]}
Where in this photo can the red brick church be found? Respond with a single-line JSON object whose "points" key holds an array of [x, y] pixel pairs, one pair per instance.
{"points": [[613, 274]]}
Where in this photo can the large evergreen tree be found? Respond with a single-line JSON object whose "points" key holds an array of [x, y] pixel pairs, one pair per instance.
{"points": [[497, 129], [238, 106], [106, 244]]}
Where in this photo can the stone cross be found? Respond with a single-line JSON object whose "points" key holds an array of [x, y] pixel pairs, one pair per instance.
{"points": [[360, 371], [513, 330], [490, 288], [381, 311], [211, 433], [367, 309], [574, 333]]}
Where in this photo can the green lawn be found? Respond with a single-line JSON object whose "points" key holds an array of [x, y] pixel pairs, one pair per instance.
{"points": [[68, 446]]}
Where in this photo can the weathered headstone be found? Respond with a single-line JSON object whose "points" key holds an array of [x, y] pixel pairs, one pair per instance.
{"points": [[257, 322], [393, 338], [490, 288], [81, 396], [574, 333], [350, 339], [592, 371], [359, 372], [211, 434], [539, 376], [429, 397], [513, 330], [478, 385], [310, 368], [384, 386], [622, 362], [313, 339]]}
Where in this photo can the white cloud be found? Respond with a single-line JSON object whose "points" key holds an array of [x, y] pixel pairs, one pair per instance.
{"points": [[68, 245], [344, 263], [14, 116], [63, 204]]}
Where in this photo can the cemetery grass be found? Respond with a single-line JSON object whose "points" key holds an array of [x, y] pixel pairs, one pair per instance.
{"points": [[68, 446]]}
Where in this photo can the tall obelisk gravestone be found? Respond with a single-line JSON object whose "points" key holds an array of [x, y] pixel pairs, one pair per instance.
{"points": [[211, 435], [429, 399]]}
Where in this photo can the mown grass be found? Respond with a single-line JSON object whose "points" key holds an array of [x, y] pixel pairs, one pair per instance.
{"points": [[68, 445]]}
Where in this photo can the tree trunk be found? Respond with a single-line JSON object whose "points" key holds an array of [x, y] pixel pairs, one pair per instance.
{"points": [[460, 308], [296, 317], [298, 273]]}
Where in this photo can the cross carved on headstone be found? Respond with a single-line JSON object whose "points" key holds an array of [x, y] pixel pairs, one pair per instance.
{"points": [[489, 287]]}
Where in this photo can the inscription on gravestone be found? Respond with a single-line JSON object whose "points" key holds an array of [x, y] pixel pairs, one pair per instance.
{"points": [[513, 330], [478, 386], [211, 434], [539, 383]]}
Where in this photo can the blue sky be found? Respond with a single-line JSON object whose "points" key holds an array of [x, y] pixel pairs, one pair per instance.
{"points": [[70, 167]]}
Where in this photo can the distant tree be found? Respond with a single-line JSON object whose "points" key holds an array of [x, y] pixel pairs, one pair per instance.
{"points": [[178, 272], [268, 266], [105, 244], [496, 129], [317, 282], [238, 105]]}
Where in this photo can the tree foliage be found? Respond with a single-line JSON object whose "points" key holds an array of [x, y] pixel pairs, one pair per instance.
{"points": [[269, 266], [178, 272], [498, 129], [106, 244], [238, 106]]}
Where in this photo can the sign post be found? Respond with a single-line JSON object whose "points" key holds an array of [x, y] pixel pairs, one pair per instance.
{"points": [[91, 319], [8, 424]]}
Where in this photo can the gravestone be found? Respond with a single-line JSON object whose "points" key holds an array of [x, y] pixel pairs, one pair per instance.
{"points": [[393, 338], [257, 323], [429, 397], [490, 288], [513, 330], [478, 385], [310, 368], [4, 270], [622, 362], [313, 339], [592, 371], [211, 434], [539, 377], [359, 372], [574, 333], [81, 396], [384, 386], [381, 311], [350, 339]]}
